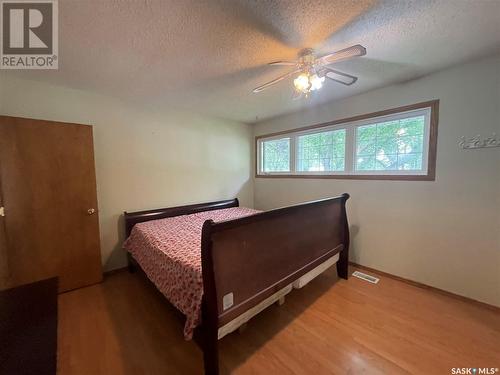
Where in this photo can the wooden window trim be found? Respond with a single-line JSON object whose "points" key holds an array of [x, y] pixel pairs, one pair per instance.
{"points": [[432, 152]]}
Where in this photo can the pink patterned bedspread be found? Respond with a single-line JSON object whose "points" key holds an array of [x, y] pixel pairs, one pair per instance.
{"points": [[169, 252]]}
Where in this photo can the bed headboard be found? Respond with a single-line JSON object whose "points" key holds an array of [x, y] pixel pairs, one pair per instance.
{"points": [[132, 218]]}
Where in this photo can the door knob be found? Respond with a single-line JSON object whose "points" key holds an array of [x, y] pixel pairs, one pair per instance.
{"points": [[91, 211]]}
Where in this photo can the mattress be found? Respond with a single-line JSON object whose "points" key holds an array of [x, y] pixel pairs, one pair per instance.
{"points": [[169, 252]]}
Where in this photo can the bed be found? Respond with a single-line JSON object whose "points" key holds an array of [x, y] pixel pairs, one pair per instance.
{"points": [[220, 264]]}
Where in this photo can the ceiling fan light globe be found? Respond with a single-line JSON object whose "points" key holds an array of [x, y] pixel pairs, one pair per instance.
{"points": [[316, 82], [302, 83]]}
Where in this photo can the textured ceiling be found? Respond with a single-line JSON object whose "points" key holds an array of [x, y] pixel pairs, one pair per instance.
{"points": [[207, 56]]}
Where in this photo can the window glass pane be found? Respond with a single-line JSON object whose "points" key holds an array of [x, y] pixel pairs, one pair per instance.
{"points": [[276, 155], [408, 162], [391, 145], [321, 152], [365, 163]]}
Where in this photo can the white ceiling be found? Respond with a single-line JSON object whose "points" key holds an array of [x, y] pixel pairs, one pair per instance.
{"points": [[207, 56]]}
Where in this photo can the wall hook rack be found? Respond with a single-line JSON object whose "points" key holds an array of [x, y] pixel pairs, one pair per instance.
{"points": [[477, 142]]}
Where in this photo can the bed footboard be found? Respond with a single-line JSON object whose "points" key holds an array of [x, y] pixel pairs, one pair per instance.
{"points": [[244, 261]]}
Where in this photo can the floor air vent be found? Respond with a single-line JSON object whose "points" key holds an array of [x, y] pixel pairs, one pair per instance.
{"points": [[364, 276]]}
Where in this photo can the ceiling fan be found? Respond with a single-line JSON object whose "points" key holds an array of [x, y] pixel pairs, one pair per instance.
{"points": [[312, 70]]}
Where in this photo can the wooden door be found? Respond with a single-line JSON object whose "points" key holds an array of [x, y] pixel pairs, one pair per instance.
{"points": [[48, 187]]}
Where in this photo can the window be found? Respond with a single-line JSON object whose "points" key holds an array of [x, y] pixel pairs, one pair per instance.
{"points": [[321, 151], [394, 144], [276, 155]]}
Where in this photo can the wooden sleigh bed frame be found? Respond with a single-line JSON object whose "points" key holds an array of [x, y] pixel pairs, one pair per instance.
{"points": [[252, 262]]}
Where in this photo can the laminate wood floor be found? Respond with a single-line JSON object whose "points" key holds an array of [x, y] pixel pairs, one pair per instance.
{"points": [[332, 326]]}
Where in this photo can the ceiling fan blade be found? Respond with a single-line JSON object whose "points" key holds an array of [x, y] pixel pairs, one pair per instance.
{"points": [[285, 63], [335, 75], [276, 80], [343, 54]]}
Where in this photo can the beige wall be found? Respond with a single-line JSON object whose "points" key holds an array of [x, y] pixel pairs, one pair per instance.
{"points": [[143, 159], [443, 233]]}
